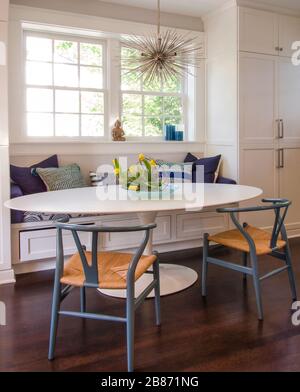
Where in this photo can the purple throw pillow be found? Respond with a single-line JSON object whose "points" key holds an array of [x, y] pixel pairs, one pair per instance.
{"points": [[210, 164], [27, 179]]}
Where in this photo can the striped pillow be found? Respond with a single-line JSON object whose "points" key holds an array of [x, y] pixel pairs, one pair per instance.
{"points": [[65, 177]]}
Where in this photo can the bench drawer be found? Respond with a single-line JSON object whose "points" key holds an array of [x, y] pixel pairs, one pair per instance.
{"points": [[41, 244], [194, 225], [131, 240]]}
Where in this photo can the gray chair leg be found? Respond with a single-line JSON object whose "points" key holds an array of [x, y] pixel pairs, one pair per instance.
{"points": [[130, 325], [204, 264], [82, 300], [54, 319], [291, 273], [245, 260], [256, 283], [157, 292]]}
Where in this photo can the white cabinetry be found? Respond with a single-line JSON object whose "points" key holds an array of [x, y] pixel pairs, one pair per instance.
{"points": [[258, 101], [289, 185], [289, 32], [4, 4], [289, 100], [267, 109], [269, 96], [259, 31], [267, 32]]}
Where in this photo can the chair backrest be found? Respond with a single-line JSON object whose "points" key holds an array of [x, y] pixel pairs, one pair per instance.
{"points": [[280, 208], [91, 269]]}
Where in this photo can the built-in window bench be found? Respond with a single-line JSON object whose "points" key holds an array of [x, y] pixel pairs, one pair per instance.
{"points": [[34, 243]]}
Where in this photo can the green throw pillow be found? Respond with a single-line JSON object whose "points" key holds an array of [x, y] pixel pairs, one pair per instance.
{"points": [[65, 177]]}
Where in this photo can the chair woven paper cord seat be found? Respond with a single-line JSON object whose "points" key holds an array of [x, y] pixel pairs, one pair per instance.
{"points": [[112, 269], [235, 240]]}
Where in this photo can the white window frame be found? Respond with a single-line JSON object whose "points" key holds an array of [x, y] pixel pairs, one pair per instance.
{"points": [[104, 90], [183, 95], [110, 31]]}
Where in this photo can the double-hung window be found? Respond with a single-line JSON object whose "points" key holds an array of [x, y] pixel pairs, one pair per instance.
{"points": [[70, 95], [65, 86], [147, 107]]}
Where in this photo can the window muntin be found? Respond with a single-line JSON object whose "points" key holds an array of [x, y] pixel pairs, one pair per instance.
{"points": [[65, 80], [147, 107]]}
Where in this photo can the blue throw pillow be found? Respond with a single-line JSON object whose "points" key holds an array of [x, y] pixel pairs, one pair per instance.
{"points": [[27, 178], [210, 165]]}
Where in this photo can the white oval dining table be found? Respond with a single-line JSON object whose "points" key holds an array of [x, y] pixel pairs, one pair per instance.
{"points": [[94, 200]]}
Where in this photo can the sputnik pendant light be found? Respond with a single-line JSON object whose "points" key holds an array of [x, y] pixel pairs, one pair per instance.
{"points": [[163, 55]]}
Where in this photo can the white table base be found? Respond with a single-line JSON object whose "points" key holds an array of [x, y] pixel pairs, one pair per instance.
{"points": [[173, 278]]}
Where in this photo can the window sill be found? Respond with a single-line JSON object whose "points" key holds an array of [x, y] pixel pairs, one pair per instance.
{"points": [[104, 147]]}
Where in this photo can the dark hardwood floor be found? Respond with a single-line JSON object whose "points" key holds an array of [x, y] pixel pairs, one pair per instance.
{"points": [[219, 334]]}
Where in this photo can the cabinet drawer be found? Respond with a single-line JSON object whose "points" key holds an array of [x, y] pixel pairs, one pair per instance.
{"points": [[41, 244], [193, 226], [130, 240]]}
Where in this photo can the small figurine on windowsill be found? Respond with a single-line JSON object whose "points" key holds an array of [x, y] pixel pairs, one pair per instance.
{"points": [[118, 132]]}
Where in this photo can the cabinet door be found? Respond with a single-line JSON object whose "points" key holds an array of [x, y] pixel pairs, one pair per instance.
{"points": [[258, 168], [258, 107], [4, 4], [289, 32], [289, 99], [258, 31], [289, 185]]}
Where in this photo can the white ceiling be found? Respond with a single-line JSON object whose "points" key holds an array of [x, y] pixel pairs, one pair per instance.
{"points": [[198, 8]]}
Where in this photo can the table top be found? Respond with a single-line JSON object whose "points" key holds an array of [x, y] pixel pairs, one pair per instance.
{"points": [[90, 200]]}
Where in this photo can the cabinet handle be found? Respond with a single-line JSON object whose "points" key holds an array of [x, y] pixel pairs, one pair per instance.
{"points": [[280, 164], [281, 129], [278, 128], [281, 49], [277, 48]]}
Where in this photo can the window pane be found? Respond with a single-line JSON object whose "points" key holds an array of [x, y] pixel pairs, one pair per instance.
{"points": [[38, 49], [132, 103], [153, 105], [65, 52], [173, 85], [66, 75], [39, 124], [130, 80], [39, 100], [38, 73], [154, 85], [172, 106], [67, 125], [91, 77], [153, 126], [92, 125], [67, 101], [92, 102], [128, 54], [90, 54], [132, 125], [174, 121]]}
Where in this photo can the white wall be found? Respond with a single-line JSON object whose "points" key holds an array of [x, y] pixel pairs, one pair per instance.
{"points": [[116, 11], [222, 87], [6, 273]]}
